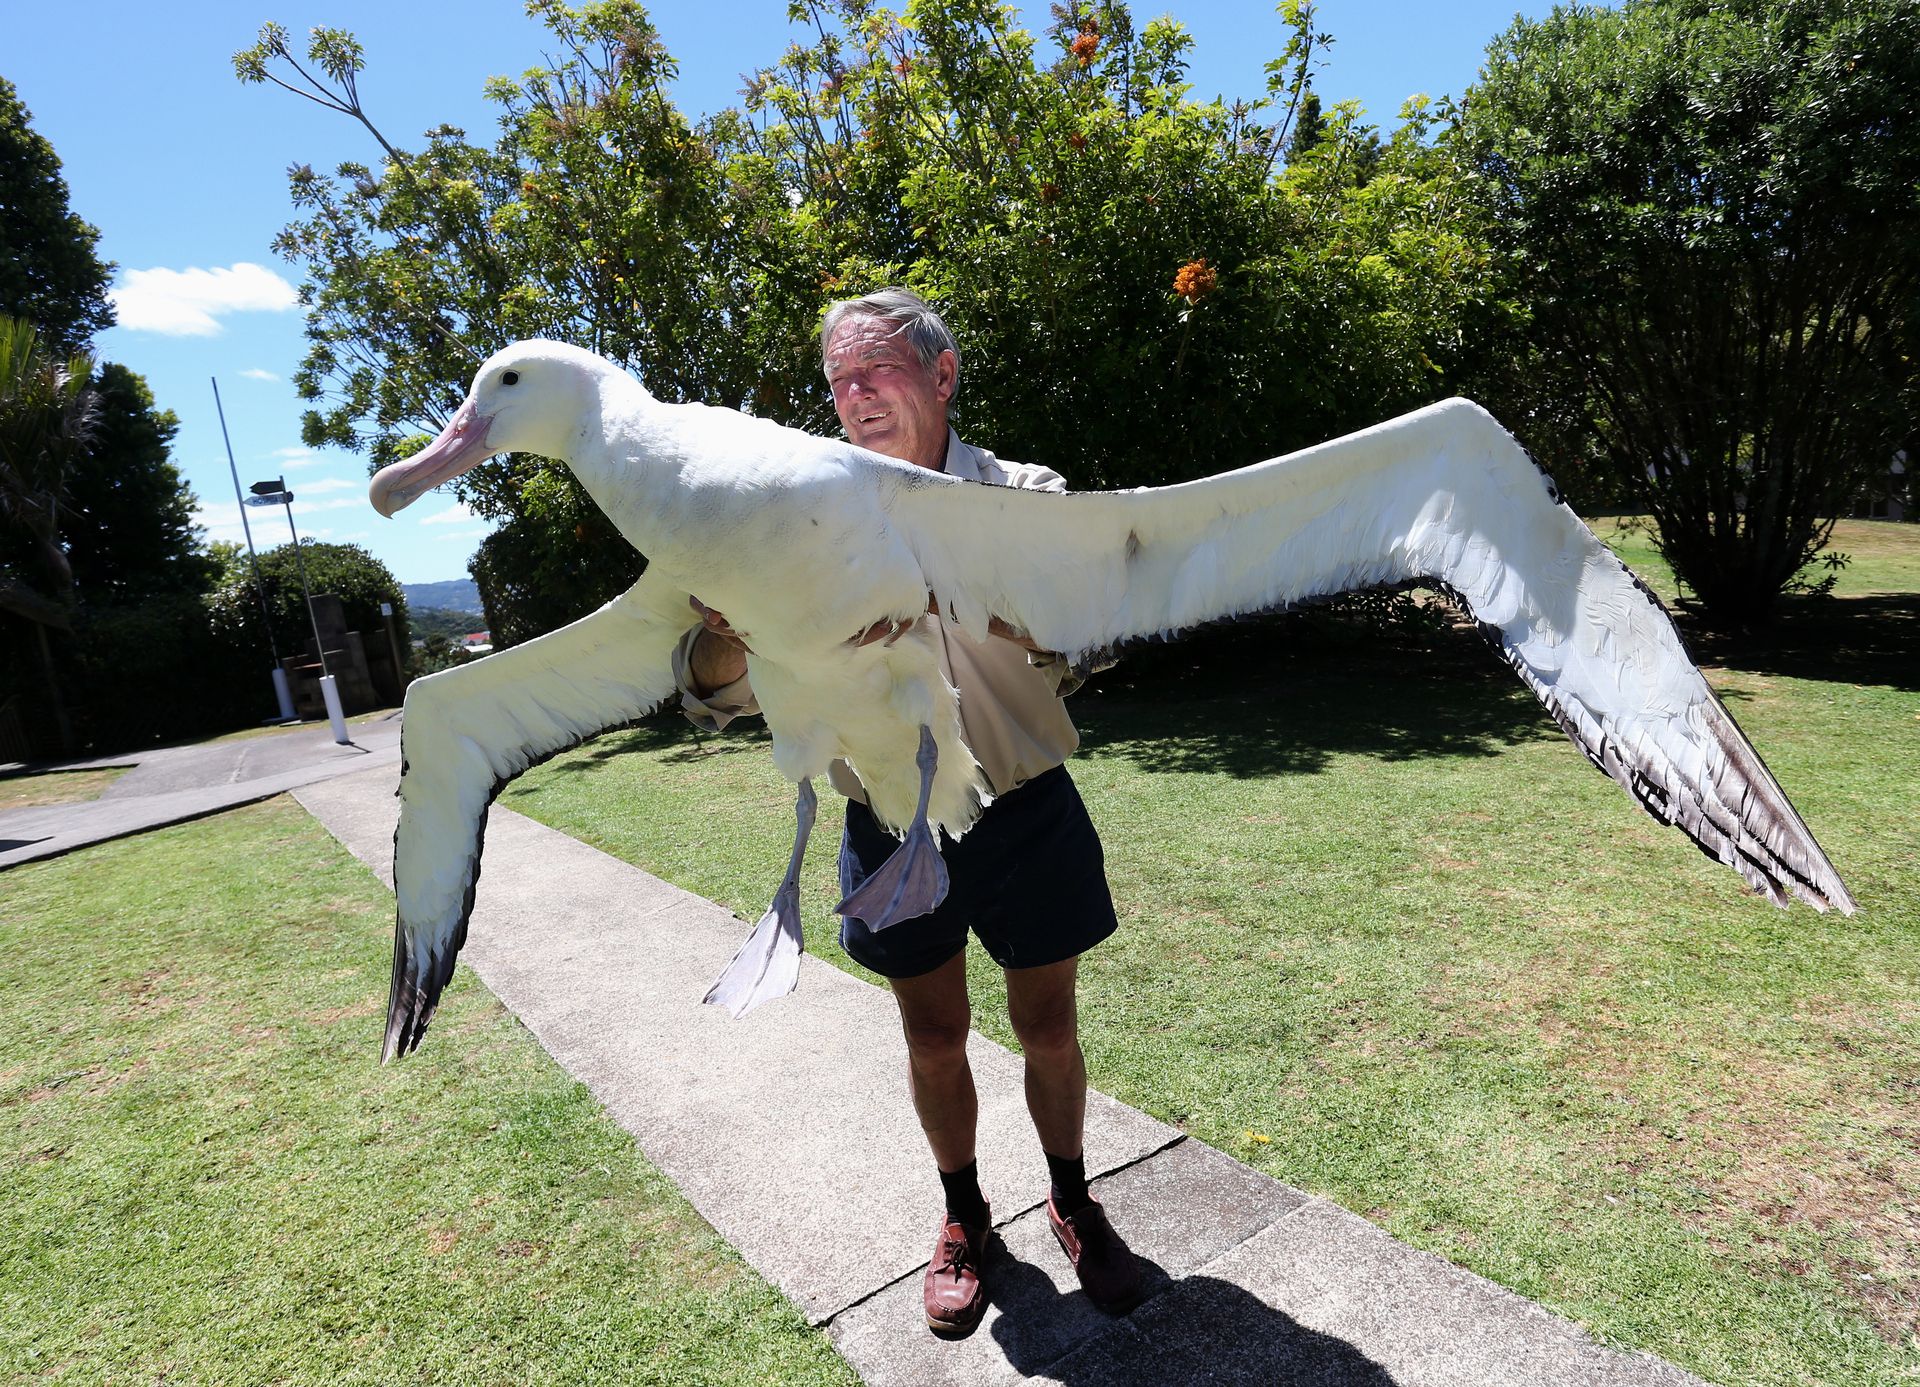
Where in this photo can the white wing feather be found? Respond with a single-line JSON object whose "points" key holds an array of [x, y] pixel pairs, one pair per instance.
{"points": [[1444, 495], [470, 730]]}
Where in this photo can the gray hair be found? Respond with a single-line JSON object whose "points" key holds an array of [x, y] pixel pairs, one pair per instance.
{"points": [[909, 315]]}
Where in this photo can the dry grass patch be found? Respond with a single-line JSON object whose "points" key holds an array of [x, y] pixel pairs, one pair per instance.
{"points": [[32, 791]]}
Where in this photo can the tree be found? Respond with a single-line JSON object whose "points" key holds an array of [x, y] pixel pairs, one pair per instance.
{"points": [[47, 420], [347, 571], [1142, 289], [49, 274], [1709, 210], [47, 416], [128, 525]]}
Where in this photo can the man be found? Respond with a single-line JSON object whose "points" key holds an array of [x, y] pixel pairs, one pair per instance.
{"points": [[1027, 878]]}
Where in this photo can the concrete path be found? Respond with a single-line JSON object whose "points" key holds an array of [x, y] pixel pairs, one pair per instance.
{"points": [[175, 784], [791, 1132]]}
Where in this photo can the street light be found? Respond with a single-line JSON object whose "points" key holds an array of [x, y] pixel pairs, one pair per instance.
{"points": [[275, 493], [280, 692]]}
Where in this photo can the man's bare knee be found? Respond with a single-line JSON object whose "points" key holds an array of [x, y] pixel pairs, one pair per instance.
{"points": [[937, 1042], [1053, 1033]]}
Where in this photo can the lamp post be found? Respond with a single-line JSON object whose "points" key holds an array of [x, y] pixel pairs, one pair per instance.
{"points": [[281, 693], [275, 493]]}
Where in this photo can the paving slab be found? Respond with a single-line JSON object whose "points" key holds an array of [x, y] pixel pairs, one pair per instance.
{"points": [[791, 1131], [1324, 1296], [1179, 1210]]}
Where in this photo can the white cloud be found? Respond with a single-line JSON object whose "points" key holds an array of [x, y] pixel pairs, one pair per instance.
{"points": [[455, 514], [190, 303], [291, 458], [255, 373], [481, 533], [320, 484]]}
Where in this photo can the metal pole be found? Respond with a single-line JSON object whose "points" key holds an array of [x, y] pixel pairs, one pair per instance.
{"points": [[252, 558], [318, 643]]}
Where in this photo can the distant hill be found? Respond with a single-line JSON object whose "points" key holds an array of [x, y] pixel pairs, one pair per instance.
{"points": [[454, 595]]}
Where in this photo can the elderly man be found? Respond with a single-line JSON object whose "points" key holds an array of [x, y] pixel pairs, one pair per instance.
{"points": [[1027, 878]]}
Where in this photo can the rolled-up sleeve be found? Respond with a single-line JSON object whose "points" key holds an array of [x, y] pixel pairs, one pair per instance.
{"points": [[719, 707]]}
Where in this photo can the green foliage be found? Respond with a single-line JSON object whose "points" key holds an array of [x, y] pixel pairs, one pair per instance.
{"points": [[50, 275], [347, 571], [1710, 213], [1139, 291], [128, 526], [1137, 297], [47, 418], [551, 566], [598, 216], [159, 668], [429, 623]]}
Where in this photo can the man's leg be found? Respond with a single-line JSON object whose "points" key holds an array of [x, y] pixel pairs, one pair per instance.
{"points": [[936, 1018], [1042, 1005]]}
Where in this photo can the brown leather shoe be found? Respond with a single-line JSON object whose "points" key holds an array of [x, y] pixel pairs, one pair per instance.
{"points": [[1108, 1270], [955, 1302]]}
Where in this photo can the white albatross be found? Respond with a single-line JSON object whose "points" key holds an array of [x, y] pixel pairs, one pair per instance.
{"points": [[806, 542]]}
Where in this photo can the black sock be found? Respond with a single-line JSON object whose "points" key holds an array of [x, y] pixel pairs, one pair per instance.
{"points": [[965, 1203], [1069, 1183]]}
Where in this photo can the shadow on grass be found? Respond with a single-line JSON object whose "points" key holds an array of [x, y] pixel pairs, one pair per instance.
{"points": [[1282, 696], [1285, 695], [677, 741], [1848, 640]]}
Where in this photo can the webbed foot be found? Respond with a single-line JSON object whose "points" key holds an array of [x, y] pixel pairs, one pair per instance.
{"points": [[913, 881], [768, 964]]}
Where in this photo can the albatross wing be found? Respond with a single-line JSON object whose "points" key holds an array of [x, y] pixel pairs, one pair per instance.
{"points": [[1444, 495], [468, 731]]}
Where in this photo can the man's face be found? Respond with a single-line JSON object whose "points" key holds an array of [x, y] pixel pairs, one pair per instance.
{"points": [[886, 399]]}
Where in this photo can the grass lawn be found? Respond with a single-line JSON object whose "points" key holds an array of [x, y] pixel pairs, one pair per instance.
{"points": [[206, 1177], [1386, 936], [56, 787], [1885, 556]]}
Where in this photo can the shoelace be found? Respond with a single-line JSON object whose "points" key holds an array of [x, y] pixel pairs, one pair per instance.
{"points": [[953, 1256]]}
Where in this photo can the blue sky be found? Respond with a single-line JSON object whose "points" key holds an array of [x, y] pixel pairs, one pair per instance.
{"points": [[183, 171]]}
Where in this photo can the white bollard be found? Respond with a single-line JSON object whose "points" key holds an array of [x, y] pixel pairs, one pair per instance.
{"points": [[284, 694], [334, 715]]}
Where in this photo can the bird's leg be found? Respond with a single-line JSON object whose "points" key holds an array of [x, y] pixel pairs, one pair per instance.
{"points": [[914, 880], [768, 964]]}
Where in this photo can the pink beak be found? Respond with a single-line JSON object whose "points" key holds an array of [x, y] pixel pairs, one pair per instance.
{"points": [[461, 446]]}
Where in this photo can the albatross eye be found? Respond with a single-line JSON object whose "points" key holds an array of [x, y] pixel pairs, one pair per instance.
{"points": [[510, 378]]}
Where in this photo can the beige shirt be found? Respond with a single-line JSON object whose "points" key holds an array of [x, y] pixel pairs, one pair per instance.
{"points": [[1011, 715]]}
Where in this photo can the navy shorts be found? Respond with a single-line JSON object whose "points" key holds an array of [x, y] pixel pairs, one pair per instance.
{"points": [[1028, 878]]}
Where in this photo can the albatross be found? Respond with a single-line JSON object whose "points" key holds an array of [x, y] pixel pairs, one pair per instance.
{"points": [[808, 543]]}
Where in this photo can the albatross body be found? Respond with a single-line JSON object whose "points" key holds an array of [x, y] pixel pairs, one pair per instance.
{"points": [[805, 543]]}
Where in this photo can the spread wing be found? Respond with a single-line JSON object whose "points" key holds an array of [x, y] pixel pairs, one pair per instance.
{"points": [[468, 731], [1444, 495]]}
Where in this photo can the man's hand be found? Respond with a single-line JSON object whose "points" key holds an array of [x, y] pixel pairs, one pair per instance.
{"points": [[719, 653]]}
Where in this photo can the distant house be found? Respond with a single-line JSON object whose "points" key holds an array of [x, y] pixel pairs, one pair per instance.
{"points": [[475, 643], [1883, 500]]}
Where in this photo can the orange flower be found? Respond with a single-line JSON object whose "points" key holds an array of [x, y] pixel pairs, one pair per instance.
{"points": [[1078, 141], [1049, 191], [1195, 280], [1084, 47], [904, 66]]}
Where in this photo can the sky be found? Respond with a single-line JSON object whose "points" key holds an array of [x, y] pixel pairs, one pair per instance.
{"points": [[183, 171]]}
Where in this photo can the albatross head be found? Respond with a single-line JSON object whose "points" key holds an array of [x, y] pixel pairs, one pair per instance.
{"points": [[527, 398]]}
